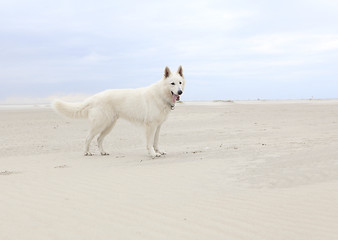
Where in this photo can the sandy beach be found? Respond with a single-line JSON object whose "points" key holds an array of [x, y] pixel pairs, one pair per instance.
{"points": [[233, 170]]}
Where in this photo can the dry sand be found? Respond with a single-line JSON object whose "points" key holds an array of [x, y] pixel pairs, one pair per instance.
{"points": [[235, 170]]}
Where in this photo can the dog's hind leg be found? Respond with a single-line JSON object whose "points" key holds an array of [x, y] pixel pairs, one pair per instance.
{"points": [[92, 133], [150, 135], [157, 135], [98, 123], [103, 134]]}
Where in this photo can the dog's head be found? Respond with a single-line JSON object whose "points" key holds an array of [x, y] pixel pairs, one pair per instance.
{"points": [[175, 83]]}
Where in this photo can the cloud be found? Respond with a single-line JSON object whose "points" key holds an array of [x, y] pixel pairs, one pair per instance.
{"points": [[43, 100], [65, 46], [283, 43], [96, 58]]}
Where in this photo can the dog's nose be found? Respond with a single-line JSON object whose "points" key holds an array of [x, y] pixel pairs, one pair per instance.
{"points": [[179, 92]]}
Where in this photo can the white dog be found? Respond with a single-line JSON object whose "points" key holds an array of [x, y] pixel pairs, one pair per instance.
{"points": [[147, 106]]}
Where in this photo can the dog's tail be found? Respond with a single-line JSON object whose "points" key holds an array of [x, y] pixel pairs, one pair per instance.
{"points": [[72, 110]]}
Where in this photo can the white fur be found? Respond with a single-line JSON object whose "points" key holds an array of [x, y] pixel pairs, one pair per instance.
{"points": [[147, 106]]}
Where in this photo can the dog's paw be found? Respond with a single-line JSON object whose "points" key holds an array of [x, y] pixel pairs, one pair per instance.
{"points": [[160, 152], [104, 153], [88, 154], [154, 155]]}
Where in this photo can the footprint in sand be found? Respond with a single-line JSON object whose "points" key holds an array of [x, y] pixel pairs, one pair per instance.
{"points": [[62, 166], [6, 173]]}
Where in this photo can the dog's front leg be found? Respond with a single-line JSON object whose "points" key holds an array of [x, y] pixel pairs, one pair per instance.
{"points": [[157, 135], [150, 134]]}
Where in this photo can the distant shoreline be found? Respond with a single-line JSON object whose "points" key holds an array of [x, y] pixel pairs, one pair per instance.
{"points": [[200, 103]]}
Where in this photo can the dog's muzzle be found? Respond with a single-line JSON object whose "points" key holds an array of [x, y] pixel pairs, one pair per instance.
{"points": [[176, 97]]}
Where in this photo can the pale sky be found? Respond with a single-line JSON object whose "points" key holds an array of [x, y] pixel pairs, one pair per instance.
{"points": [[238, 50]]}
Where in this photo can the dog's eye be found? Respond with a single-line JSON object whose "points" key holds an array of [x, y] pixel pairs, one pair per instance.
{"points": [[180, 82], [172, 83]]}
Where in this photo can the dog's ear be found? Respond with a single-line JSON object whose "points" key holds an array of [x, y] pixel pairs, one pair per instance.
{"points": [[180, 71], [167, 72]]}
